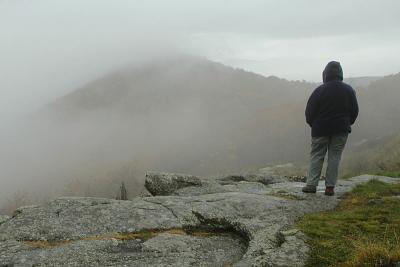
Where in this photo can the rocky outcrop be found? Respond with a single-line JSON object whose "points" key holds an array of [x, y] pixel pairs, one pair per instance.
{"points": [[168, 183], [190, 221]]}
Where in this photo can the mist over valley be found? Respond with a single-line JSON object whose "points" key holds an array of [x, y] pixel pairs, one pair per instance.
{"points": [[177, 113]]}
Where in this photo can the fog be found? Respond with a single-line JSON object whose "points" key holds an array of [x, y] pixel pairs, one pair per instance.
{"points": [[49, 49]]}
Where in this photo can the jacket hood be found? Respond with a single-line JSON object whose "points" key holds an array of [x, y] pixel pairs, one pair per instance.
{"points": [[333, 71]]}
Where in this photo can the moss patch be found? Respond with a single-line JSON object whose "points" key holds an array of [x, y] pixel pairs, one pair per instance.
{"points": [[45, 244], [146, 235], [360, 232]]}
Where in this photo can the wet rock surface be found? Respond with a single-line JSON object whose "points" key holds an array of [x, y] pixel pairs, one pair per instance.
{"points": [[242, 220]]}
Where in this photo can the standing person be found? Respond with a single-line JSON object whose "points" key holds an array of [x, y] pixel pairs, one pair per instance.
{"points": [[331, 110]]}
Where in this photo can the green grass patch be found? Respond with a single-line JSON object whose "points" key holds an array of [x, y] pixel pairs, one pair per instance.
{"points": [[360, 232], [389, 173]]}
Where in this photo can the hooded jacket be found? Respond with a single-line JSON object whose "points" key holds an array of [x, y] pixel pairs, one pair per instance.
{"points": [[332, 108]]}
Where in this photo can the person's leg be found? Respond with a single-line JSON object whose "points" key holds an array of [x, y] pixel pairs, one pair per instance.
{"points": [[335, 148], [319, 145]]}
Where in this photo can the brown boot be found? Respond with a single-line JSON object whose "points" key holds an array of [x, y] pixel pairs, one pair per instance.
{"points": [[309, 189], [329, 191]]}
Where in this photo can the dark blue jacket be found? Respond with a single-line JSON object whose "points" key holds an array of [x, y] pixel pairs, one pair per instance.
{"points": [[332, 108]]}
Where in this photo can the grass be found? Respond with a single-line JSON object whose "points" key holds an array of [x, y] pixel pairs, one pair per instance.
{"points": [[386, 172], [389, 173], [358, 233]]}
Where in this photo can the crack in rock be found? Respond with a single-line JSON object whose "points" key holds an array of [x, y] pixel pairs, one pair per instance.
{"points": [[164, 206]]}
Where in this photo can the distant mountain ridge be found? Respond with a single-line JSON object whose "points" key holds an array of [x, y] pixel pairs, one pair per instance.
{"points": [[182, 77], [210, 102]]}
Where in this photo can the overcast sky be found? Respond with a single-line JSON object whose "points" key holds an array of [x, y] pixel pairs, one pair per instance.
{"points": [[50, 47]]}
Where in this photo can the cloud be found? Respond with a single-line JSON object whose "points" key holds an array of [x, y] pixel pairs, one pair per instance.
{"points": [[304, 58]]}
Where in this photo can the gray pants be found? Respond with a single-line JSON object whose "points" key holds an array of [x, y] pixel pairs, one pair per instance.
{"points": [[319, 145]]}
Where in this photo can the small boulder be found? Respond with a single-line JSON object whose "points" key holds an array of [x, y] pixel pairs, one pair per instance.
{"points": [[163, 184]]}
